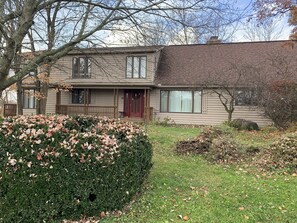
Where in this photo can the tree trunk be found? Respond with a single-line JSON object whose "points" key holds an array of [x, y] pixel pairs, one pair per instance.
{"points": [[230, 116], [43, 100], [38, 104]]}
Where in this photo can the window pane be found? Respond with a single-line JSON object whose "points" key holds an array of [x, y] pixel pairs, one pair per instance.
{"points": [[164, 101], [82, 65], [136, 67], [246, 97], [197, 101], [75, 66], [26, 99], [175, 99], [143, 67], [186, 101], [129, 67], [81, 97], [29, 98], [78, 96], [89, 66]]}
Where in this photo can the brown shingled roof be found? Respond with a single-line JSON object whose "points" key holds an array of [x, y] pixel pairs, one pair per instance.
{"points": [[193, 65]]}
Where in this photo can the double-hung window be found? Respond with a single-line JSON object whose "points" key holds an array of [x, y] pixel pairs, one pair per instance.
{"points": [[81, 67], [29, 100], [181, 101], [136, 67]]}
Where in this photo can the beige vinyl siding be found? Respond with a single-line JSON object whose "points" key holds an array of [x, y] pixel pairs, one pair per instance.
{"points": [[99, 97], [29, 111], [213, 112], [65, 97], [105, 69], [105, 97], [51, 102]]}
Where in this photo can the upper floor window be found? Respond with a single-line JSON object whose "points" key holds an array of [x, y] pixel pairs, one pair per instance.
{"points": [[29, 100], [136, 67], [181, 101], [81, 67], [246, 97]]}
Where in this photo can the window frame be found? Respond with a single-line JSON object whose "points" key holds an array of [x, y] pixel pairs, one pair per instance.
{"points": [[252, 97], [132, 69], [193, 101], [84, 91], [76, 68], [29, 97]]}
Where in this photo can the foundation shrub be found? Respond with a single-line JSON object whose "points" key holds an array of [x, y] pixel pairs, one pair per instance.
{"points": [[60, 167]]}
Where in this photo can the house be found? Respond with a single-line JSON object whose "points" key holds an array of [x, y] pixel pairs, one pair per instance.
{"points": [[158, 82]]}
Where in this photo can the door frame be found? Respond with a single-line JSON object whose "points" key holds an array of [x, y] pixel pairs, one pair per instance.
{"points": [[128, 103]]}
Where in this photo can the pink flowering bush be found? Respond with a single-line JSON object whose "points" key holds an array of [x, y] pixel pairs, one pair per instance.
{"points": [[57, 167]]}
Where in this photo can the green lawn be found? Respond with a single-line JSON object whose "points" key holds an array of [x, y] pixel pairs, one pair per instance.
{"points": [[189, 186]]}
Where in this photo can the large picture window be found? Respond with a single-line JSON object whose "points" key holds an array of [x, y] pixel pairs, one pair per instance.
{"points": [[79, 96], [136, 67], [181, 101], [81, 67], [29, 100]]}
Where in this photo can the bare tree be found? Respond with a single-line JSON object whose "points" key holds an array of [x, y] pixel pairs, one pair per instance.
{"points": [[85, 20], [182, 25], [270, 29], [268, 85], [238, 81], [279, 94]]}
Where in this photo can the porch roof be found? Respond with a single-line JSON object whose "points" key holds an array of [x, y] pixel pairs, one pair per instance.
{"points": [[96, 86]]}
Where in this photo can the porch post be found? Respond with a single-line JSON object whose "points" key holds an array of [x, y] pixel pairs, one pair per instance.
{"points": [[86, 100], [58, 102], [145, 105], [114, 103], [117, 104]]}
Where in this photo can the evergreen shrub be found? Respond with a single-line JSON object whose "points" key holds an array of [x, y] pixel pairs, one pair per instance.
{"points": [[60, 167]]}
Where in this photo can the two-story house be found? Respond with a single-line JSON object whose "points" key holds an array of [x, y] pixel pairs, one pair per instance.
{"points": [[113, 82], [160, 81]]}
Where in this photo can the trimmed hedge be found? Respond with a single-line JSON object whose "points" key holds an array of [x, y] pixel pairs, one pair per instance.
{"points": [[61, 167]]}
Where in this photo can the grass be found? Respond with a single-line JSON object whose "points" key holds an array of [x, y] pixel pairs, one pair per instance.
{"points": [[189, 187]]}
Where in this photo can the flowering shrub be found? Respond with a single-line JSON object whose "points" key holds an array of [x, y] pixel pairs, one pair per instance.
{"points": [[55, 167]]}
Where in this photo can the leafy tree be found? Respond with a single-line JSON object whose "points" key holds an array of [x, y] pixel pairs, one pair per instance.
{"points": [[273, 8]]}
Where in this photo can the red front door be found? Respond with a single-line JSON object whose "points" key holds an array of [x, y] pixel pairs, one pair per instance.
{"points": [[134, 103]]}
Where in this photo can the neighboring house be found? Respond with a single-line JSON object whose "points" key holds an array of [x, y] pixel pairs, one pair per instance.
{"points": [[160, 81]]}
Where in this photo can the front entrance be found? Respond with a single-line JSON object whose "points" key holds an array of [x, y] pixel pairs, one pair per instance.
{"points": [[134, 103]]}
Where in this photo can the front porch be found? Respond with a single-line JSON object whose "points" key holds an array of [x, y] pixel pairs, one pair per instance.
{"points": [[133, 105]]}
